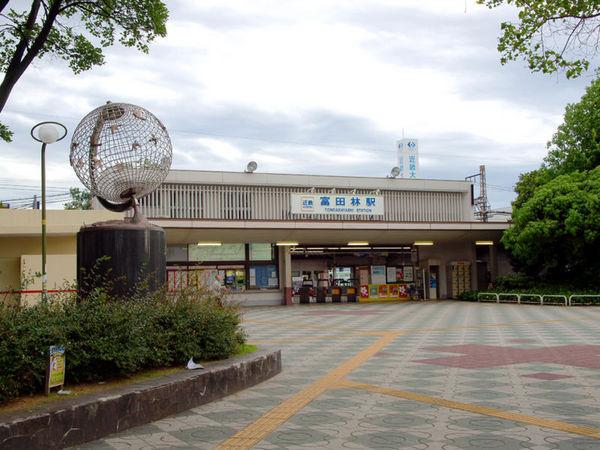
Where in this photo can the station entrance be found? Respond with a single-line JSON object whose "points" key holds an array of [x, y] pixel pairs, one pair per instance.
{"points": [[336, 274]]}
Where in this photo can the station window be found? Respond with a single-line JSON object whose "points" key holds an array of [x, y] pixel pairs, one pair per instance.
{"points": [[263, 276], [261, 252], [236, 266], [177, 253], [225, 252]]}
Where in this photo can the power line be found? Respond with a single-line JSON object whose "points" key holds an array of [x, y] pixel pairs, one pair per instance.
{"points": [[4, 183], [14, 188], [63, 194]]}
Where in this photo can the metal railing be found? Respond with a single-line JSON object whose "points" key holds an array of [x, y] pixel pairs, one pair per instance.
{"points": [[548, 299], [576, 296]]}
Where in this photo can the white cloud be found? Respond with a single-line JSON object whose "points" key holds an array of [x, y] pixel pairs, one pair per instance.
{"points": [[270, 80]]}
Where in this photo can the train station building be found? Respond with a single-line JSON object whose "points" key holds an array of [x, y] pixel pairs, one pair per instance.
{"points": [[275, 239]]}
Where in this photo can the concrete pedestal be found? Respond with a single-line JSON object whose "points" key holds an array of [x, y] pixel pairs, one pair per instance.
{"points": [[121, 256]]}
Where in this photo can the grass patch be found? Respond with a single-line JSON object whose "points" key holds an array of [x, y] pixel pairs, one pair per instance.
{"points": [[30, 403], [245, 349], [34, 401]]}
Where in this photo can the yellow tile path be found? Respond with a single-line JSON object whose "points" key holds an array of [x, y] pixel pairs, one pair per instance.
{"points": [[493, 412], [261, 428]]}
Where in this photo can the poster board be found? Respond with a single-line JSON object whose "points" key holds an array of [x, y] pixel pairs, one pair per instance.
{"points": [[378, 275], [391, 275], [384, 292], [55, 373]]}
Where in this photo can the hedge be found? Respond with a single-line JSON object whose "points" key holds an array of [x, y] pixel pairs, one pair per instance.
{"points": [[107, 338]]}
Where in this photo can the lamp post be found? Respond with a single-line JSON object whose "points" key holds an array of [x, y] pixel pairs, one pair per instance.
{"points": [[46, 133]]}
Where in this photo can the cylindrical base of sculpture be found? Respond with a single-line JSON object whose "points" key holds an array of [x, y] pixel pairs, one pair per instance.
{"points": [[121, 257]]}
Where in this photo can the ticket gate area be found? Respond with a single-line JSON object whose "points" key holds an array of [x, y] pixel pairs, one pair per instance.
{"points": [[322, 290], [340, 291], [306, 291], [344, 288]]}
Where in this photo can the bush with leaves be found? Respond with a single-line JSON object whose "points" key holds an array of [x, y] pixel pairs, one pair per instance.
{"points": [[108, 338]]}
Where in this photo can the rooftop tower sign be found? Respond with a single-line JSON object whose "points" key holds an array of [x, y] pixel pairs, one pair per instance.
{"points": [[408, 158]]}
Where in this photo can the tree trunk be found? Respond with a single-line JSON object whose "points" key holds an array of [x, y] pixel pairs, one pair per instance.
{"points": [[3, 4], [23, 57]]}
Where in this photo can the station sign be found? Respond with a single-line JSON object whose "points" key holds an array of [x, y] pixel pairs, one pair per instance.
{"points": [[337, 204]]}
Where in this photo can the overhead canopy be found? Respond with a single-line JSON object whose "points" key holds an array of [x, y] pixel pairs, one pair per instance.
{"points": [[312, 232]]}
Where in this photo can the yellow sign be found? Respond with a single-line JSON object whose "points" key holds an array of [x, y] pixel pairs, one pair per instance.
{"points": [[56, 368], [383, 292]]}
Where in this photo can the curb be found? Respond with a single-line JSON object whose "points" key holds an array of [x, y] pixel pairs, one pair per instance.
{"points": [[90, 417]]}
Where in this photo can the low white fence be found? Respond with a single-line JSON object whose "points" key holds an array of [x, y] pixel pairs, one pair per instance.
{"points": [[539, 299]]}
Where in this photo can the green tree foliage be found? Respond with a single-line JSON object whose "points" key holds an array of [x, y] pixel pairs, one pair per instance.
{"points": [[574, 147], [73, 30], [80, 199], [556, 232], [528, 183], [551, 35], [556, 212], [576, 143]]}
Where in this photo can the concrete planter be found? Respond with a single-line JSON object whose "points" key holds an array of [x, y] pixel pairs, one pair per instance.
{"points": [[89, 417]]}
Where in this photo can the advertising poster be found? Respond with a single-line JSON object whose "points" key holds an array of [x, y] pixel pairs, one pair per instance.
{"points": [[363, 275], [56, 367], [408, 274], [383, 291], [394, 291], [373, 291], [364, 291], [378, 275], [391, 274], [403, 291], [400, 274]]}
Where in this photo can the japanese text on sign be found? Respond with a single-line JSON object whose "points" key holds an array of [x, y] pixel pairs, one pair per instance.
{"points": [[327, 203]]}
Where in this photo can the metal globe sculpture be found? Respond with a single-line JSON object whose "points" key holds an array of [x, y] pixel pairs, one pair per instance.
{"points": [[121, 152]]}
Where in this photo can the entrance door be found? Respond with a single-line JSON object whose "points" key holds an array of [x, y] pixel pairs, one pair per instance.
{"points": [[483, 275], [434, 282]]}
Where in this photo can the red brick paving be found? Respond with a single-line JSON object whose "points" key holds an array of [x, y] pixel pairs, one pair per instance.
{"points": [[342, 313], [476, 356], [546, 376]]}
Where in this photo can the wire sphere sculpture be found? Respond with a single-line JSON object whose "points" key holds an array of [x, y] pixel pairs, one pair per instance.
{"points": [[121, 152]]}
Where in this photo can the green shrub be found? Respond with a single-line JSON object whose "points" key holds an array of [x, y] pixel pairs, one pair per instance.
{"points": [[108, 338], [468, 295], [523, 284]]}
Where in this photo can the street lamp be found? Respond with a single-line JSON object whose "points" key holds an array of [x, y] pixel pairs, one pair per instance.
{"points": [[46, 133]]}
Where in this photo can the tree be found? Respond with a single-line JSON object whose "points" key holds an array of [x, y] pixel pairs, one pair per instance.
{"points": [[556, 215], [574, 147], [528, 183], [551, 35], [576, 143], [80, 199], [556, 232], [74, 30]]}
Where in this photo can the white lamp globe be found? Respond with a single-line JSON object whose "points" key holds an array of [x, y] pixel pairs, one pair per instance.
{"points": [[47, 133]]}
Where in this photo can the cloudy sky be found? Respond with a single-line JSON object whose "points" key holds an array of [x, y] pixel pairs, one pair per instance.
{"points": [[310, 86]]}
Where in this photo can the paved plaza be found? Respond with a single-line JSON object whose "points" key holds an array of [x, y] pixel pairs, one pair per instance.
{"points": [[431, 375]]}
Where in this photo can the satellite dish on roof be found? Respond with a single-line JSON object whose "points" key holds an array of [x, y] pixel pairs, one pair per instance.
{"points": [[251, 167], [395, 172]]}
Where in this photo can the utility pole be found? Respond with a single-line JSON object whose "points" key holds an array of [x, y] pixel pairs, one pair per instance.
{"points": [[481, 204]]}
